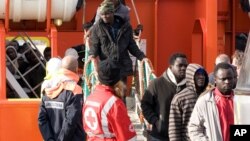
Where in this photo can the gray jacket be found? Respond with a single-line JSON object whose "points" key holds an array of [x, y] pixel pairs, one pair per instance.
{"points": [[204, 124]]}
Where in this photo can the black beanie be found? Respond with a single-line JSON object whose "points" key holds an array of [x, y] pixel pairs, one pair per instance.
{"points": [[108, 72]]}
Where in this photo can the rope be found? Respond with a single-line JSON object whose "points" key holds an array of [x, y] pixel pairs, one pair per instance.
{"points": [[136, 13], [84, 11], [88, 80], [142, 72], [94, 72], [149, 63], [141, 78], [137, 19]]}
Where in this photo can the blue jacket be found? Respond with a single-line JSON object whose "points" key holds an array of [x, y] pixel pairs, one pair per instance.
{"points": [[60, 116]]}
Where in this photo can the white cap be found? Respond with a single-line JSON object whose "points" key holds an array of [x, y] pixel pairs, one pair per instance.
{"points": [[71, 52]]}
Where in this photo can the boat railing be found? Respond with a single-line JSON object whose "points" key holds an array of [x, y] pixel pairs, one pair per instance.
{"points": [[30, 88]]}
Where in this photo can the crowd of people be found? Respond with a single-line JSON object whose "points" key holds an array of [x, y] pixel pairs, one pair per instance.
{"points": [[27, 66], [185, 103], [61, 117], [181, 104]]}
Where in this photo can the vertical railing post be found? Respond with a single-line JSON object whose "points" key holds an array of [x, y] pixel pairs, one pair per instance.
{"points": [[2, 61], [54, 41], [6, 18], [48, 23]]}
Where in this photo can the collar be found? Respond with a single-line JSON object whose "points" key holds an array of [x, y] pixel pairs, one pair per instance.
{"points": [[171, 76], [66, 74], [105, 87], [218, 93]]}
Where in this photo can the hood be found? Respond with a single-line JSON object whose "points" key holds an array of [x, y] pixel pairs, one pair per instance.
{"points": [[53, 92], [65, 74], [54, 86], [190, 72]]}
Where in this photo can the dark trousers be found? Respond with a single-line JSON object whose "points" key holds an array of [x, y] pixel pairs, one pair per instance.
{"points": [[124, 80]]}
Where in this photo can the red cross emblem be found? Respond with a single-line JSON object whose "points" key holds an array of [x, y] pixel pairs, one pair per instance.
{"points": [[90, 118]]}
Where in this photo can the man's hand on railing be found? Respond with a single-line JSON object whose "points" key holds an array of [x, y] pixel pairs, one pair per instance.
{"points": [[91, 57], [145, 59], [138, 29]]}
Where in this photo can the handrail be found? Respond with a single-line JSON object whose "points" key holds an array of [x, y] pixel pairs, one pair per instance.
{"points": [[2, 61], [90, 76], [25, 37], [89, 72], [93, 64], [7, 13], [146, 74]]}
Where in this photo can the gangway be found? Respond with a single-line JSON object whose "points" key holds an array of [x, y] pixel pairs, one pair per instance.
{"points": [[144, 73]]}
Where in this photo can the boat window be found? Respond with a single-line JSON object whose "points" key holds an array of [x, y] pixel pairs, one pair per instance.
{"points": [[25, 66]]}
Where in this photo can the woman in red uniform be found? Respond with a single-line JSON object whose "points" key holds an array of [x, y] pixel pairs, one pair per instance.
{"points": [[105, 115]]}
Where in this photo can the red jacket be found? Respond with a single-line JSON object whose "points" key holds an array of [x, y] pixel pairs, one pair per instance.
{"points": [[105, 117]]}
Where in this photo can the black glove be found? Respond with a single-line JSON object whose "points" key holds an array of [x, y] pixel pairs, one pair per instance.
{"points": [[87, 25], [138, 29]]}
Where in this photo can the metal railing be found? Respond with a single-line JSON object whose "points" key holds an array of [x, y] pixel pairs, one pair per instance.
{"points": [[14, 84], [89, 73]]}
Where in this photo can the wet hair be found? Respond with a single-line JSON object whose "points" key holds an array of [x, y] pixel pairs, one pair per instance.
{"points": [[222, 66], [175, 56]]}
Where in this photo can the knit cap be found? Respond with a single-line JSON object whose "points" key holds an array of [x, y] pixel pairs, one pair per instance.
{"points": [[108, 72], [106, 6]]}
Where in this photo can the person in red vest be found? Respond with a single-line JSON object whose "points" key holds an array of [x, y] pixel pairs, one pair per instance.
{"points": [[105, 116]]}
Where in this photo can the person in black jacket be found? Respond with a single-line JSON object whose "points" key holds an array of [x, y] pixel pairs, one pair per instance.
{"points": [[156, 101], [60, 111], [112, 37]]}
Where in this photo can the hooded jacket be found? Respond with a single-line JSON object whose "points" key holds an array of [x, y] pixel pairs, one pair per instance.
{"points": [[182, 105], [118, 49], [60, 111]]}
